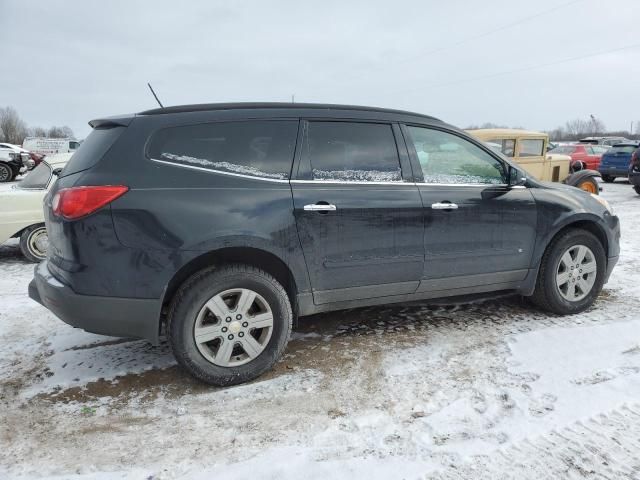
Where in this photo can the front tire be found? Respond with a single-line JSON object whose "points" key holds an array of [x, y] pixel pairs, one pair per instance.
{"points": [[34, 242], [230, 324], [637, 189], [571, 273], [608, 178], [589, 184], [6, 173]]}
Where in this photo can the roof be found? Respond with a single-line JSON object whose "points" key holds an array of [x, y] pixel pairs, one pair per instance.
{"points": [[275, 105], [488, 133]]}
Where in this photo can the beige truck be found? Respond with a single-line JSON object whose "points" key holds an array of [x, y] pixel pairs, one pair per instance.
{"points": [[529, 149]]}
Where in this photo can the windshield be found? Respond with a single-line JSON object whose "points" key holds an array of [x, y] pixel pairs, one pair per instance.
{"points": [[564, 149], [622, 149], [38, 178]]}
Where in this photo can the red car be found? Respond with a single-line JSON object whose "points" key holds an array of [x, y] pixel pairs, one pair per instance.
{"points": [[588, 155]]}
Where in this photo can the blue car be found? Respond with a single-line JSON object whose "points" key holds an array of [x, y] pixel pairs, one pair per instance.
{"points": [[615, 162]]}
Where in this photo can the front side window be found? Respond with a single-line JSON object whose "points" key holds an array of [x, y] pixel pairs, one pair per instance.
{"points": [[531, 147], [37, 178], [449, 159], [352, 152], [257, 148]]}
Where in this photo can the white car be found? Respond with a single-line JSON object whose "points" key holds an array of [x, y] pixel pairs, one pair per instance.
{"points": [[21, 211]]}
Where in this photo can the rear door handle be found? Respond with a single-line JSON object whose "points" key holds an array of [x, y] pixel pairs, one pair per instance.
{"points": [[444, 206], [320, 207]]}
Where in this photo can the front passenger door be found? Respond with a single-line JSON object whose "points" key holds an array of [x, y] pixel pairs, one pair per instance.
{"points": [[478, 231]]}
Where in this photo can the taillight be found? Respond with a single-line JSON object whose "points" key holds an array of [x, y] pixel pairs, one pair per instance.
{"points": [[76, 202]]}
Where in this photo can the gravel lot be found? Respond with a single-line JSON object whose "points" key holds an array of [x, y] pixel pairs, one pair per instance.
{"points": [[488, 389]]}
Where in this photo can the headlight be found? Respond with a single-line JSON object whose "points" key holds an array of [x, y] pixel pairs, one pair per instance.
{"points": [[603, 202]]}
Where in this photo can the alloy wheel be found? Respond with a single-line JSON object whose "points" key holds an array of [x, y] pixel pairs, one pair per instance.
{"points": [[576, 273]]}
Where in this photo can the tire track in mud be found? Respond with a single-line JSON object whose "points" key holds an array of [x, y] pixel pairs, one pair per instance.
{"points": [[605, 446]]}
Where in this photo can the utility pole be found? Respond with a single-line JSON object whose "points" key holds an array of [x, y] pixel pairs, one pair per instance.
{"points": [[293, 98]]}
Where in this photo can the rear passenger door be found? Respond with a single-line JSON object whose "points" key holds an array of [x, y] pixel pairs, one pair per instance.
{"points": [[358, 212]]}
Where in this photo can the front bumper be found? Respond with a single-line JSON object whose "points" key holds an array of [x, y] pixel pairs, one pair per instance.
{"points": [[113, 316], [634, 177]]}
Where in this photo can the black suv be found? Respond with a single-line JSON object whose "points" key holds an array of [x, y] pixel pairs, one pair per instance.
{"points": [[222, 223]]}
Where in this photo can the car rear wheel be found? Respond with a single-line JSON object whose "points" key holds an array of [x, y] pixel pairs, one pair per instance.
{"points": [[229, 324], [589, 184], [6, 173], [34, 242], [608, 178], [571, 273], [637, 189]]}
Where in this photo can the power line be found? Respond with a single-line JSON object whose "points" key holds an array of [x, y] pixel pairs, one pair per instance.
{"points": [[519, 70], [492, 31]]}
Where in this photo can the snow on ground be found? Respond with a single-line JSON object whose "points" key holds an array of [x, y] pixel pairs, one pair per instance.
{"points": [[489, 389]]}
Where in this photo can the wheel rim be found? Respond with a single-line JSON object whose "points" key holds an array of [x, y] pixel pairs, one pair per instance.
{"points": [[233, 327], [576, 273], [39, 242], [588, 187], [5, 173]]}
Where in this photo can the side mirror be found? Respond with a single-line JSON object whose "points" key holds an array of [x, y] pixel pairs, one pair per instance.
{"points": [[57, 171], [516, 177]]}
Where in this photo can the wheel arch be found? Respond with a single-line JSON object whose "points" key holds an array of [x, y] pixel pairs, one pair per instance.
{"points": [[265, 260]]}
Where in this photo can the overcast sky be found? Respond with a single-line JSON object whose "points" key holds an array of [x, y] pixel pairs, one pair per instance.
{"points": [[66, 62]]}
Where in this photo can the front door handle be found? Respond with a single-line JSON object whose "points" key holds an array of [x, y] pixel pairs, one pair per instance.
{"points": [[444, 206], [320, 207]]}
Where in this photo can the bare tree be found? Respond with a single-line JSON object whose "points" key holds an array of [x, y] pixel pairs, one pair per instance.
{"points": [[577, 128], [12, 127], [60, 132], [37, 132]]}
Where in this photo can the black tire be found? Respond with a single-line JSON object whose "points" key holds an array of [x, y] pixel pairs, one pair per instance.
{"points": [[590, 185], [637, 189], [6, 173], [546, 294], [608, 178], [198, 290], [29, 243]]}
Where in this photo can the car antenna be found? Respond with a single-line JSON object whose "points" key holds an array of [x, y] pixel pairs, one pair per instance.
{"points": [[154, 94]]}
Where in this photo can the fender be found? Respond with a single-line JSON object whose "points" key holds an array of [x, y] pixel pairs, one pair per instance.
{"points": [[575, 178]]}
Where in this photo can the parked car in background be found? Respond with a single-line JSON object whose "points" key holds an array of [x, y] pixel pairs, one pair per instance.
{"points": [[29, 159], [50, 146], [634, 170], [615, 162], [220, 224], [529, 149], [583, 156], [10, 164], [21, 213], [605, 141]]}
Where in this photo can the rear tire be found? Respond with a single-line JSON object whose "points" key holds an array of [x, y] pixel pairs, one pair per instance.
{"points": [[637, 189], [555, 294], [6, 173], [608, 178], [34, 243], [222, 337]]}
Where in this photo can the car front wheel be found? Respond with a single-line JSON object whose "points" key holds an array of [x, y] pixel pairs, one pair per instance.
{"points": [[6, 173], [608, 178], [571, 273], [229, 324], [34, 242]]}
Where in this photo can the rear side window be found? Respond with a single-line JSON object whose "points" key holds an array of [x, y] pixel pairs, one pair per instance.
{"points": [[352, 152], [38, 178], [92, 149], [258, 148], [506, 146], [530, 148]]}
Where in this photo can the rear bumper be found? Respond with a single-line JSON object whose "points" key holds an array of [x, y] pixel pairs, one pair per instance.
{"points": [[612, 171], [113, 316]]}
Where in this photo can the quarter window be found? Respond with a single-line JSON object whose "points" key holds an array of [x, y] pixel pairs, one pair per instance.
{"points": [[447, 158], [352, 152], [258, 148], [506, 146], [38, 178]]}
